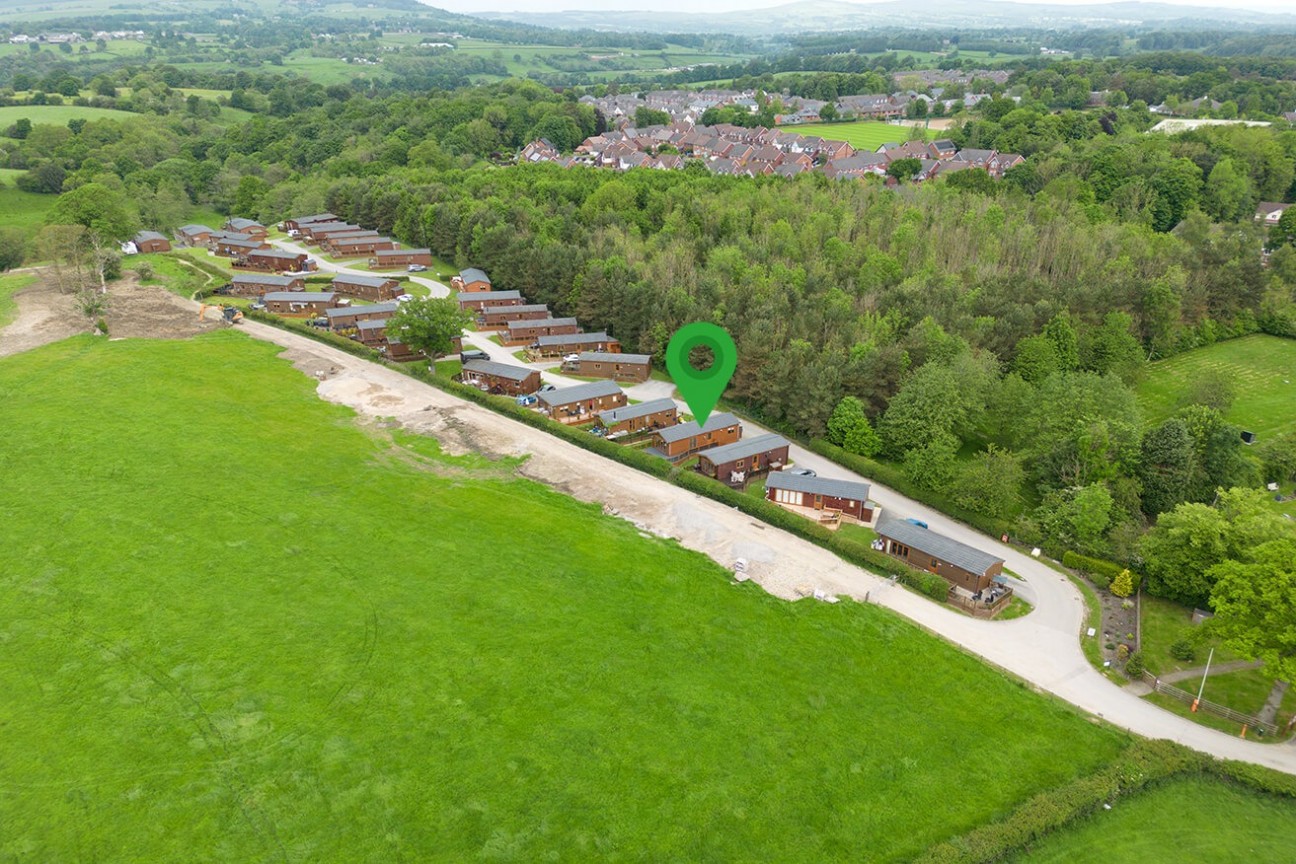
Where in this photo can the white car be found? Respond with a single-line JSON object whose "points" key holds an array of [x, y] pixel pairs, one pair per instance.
{"points": [[571, 358], [417, 268], [404, 298]]}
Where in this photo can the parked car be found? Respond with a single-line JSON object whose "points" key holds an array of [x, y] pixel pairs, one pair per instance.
{"points": [[802, 472], [465, 356], [259, 306], [417, 268], [918, 522], [526, 401], [404, 298], [571, 358], [321, 323], [545, 388]]}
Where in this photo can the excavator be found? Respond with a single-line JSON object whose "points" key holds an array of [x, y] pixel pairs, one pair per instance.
{"points": [[229, 314]]}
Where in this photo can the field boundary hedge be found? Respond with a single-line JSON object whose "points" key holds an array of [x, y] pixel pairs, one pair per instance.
{"points": [[1100, 572], [1142, 765], [859, 554]]}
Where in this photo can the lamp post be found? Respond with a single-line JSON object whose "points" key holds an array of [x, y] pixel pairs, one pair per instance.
{"points": [[1202, 688]]}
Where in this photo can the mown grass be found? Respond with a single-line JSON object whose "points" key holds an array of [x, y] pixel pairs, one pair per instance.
{"points": [[862, 135], [1163, 623], [239, 626], [1261, 367], [11, 284], [1194, 819], [19, 209]]}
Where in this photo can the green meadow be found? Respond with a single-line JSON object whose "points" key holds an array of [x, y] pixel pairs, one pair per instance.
{"points": [[862, 134], [238, 625], [1261, 367], [1186, 820], [58, 115]]}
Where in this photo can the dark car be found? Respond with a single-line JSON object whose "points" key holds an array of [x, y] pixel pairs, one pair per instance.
{"points": [[802, 472], [465, 356]]}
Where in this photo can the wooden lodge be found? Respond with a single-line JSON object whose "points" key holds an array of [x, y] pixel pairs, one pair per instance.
{"points": [[646, 416], [251, 227], [256, 284], [963, 566], [318, 232], [580, 403], [327, 243], [471, 279], [527, 332], [619, 367], [294, 226], [151, 241], [359, 246], [194, 235], [398, 352], [560, 345], [846, 497], [300, 304], [375, 289], [500, 377], [235, 245], [478, 300], [346, 317], [394, 259], [371, 332], [274, 261], [685, 439], [500, 317], [733, 463]]}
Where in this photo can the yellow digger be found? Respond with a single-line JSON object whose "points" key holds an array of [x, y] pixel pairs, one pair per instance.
{"points": [[229, 314]]}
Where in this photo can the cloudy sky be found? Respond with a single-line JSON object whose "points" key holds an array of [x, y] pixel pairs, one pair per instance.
{"points": [[730, 5]]}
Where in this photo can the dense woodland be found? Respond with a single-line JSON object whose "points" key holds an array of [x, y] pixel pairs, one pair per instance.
{"points": [[981, 335]]}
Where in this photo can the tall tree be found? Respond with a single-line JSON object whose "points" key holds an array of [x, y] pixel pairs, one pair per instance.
{"points": [[104, 211], [429, 325], [1255, 606], [1168, 466]]}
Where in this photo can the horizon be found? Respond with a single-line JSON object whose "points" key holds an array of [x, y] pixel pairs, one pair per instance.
{"points": [[690, 7]]}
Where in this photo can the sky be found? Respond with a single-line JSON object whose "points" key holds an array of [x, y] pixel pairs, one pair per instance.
{"points": [[731, 5]]}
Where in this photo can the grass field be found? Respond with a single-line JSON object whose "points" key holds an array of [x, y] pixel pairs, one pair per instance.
{"points": [[238, 626], [19, 209], [58, 115], [862, 135], [10, 284], [1262, 368], [1193, 820]]}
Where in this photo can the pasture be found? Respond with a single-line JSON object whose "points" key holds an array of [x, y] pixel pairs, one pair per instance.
{"points": [[241, 626], [862, 135], [19, 209], [1261, 367], [1184, 820], [58, 115]]}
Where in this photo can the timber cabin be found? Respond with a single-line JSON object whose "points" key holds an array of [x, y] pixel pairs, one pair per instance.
{"points": [[327, 242], [295, 225], [479, 300], [398, 352], [250, 227], [733, 463], [559, 345], [194, 235], [236, 245], [394, 259], [471, 279], [580, 403], [360, 246], [318, 232], [346, 317], [256, 284], [274, 261], [619, 367], [300, 304], [500, 377], [527, 332], [964, 566], [151, 241], [371, 332], [847, 497], [500, 317], [375, 289], [685, 439], [646, 416]]}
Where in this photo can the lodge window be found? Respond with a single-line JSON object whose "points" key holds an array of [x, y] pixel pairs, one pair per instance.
{"points": [[787, 496], [935, 563]]}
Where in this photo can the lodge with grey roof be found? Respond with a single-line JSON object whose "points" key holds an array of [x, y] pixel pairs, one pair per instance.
{"points": [[732, 463], [653, 414], [844, 497], [960, 564]]}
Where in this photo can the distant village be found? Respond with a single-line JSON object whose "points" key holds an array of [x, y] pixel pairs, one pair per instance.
{"points": [[756, 151]]}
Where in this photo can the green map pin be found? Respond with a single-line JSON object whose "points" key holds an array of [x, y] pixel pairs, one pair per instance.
{"points": [[701, 388]]}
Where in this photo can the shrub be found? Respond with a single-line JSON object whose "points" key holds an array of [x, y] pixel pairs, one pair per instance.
{"points": [[1100, 572], [1134, 666], [145, 271], [1123, 584], [1122, 653], [102, 326], [1183, 650]]}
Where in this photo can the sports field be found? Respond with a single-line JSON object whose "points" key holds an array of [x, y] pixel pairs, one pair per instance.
{"points": [[1262, 369], [238, 626], [1194, 820], [863, 135]]}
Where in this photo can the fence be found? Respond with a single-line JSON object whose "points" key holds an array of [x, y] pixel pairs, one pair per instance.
{"points": [[1252, 723], [979, 608]]}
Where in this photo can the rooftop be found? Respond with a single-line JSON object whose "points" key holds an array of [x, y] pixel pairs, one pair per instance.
{"points": [[574, 338], [372, 309], [630, 412], [743, 449], [688, 430], [579, 393], [472, 274], [541, 322], [299, 296], [499, 370], [486, 296], [263, 279], [610, 357], [364, 281], [937, 545], [851, 489]]}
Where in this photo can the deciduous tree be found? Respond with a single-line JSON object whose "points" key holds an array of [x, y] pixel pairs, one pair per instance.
{"points": [[429, 325]]}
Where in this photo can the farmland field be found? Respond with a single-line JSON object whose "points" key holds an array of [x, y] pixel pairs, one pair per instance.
{"points": [[58, 115], [1262, 368], [240, 626], [19, 209], [1184, 820], [862, 135]]}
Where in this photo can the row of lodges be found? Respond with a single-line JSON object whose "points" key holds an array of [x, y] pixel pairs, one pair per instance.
{"points": [[373, 289], [342, 239], [366, 323], [532, 326], [736, 150]]}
